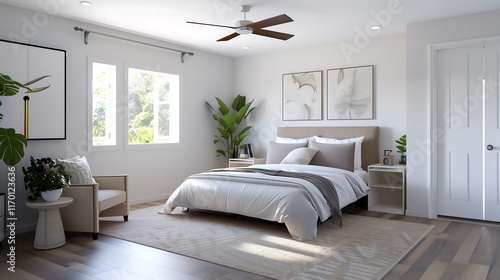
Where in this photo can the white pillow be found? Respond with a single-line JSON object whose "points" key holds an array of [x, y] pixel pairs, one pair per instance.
{"points": [[78, 168], [299, 156], [291, 140], [357, 149]]}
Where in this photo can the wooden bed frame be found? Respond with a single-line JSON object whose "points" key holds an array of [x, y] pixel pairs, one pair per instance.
{"points": [[369, 148]]}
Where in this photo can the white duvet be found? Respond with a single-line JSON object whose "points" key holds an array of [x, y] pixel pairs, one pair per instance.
{"points": [[295, 202]]}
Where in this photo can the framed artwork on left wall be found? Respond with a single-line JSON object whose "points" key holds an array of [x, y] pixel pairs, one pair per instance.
{"points": [[301, 95], [41, 115]]}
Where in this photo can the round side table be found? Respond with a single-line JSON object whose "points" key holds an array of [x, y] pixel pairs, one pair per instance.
{"points": [[49, 230]]}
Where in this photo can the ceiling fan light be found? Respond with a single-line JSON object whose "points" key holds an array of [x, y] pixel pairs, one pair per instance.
{"points": [[244, 30]]}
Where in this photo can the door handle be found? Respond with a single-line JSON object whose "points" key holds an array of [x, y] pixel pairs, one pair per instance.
{"points": [[489, 147]]}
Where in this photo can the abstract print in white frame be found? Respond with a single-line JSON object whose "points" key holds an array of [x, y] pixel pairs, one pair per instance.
{"points": [[302, 96], [350, 93]]}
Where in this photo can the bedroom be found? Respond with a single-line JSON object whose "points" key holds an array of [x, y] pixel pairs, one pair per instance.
{"points": [[400, 80]]}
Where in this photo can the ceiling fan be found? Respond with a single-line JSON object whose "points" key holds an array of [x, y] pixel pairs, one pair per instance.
{"points": [[249, 27]]}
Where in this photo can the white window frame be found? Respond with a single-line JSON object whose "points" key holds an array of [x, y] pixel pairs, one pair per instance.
{"points": [[119, 108], [174, 111]]}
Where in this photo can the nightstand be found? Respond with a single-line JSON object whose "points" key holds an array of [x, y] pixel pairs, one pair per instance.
{"points": [[243, 162], [388, 188]]}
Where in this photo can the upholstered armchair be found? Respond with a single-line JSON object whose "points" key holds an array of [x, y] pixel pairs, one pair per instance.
{"points": [[108, 196]]}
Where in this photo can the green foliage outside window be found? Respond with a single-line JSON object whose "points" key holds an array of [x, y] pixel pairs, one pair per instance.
{"points": [[148, 106]]}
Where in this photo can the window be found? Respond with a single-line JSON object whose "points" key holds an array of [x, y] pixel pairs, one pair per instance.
{"points": [[144, 112], [103, 104], [153, 107]]}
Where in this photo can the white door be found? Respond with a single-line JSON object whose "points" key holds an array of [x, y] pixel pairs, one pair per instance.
{"points": [[492, 133], [467, 122], [460, 149]]}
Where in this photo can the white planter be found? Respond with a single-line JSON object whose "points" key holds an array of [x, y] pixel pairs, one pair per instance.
{"points": [[52, 195]]}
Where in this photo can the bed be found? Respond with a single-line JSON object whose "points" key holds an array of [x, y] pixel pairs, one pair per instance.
{"points": [[301, 196]]}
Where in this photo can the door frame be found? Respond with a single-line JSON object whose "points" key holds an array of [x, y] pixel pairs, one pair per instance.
{"points": [[433, 135]]}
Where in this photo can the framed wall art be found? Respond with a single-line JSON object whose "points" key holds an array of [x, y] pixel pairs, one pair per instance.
{"points": [[302, 98], [40, 115], [350, 93]]}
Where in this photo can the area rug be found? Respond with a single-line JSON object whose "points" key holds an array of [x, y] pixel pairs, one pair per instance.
{"points": [[363, 248]]}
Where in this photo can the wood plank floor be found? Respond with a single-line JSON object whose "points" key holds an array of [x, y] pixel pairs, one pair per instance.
{"points": [[452, 250]]}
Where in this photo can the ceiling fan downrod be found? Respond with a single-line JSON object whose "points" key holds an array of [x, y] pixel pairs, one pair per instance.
{"points": [[243, 24]]}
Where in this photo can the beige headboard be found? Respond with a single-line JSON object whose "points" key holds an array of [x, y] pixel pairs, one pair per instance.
{"points": [[369, 148]]}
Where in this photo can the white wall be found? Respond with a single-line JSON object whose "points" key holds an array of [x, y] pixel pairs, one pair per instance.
{"points": [[419, 37], [153, 173], [259, 77]]}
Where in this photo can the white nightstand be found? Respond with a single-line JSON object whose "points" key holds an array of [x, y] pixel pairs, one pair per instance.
{"points": [[388, 188], [243, 162]]}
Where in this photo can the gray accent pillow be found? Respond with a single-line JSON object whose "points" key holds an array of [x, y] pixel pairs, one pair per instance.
{"points": [[334, 155], [276, 152]]}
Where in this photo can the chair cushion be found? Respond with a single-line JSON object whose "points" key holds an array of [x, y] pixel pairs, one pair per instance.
{"points": [[110, 198]]}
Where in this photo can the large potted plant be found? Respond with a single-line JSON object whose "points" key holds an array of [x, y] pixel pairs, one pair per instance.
{"points": [[12, 144], [45, 178], [230, 120]]}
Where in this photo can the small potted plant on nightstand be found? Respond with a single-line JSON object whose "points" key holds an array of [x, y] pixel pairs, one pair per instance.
{"points": [[45, 178], [401, 146]]}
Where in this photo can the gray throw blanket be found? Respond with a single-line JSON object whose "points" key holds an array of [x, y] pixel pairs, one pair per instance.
{"points": [[325, 186]]}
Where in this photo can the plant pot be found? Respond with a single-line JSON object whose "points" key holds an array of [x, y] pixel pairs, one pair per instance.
{"points": [[402, 160], [52, 195]]}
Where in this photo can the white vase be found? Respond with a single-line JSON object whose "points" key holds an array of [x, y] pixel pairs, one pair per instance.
{"points": [[52, 195]]}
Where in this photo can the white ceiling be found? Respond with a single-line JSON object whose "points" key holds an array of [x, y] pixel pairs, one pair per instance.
{"points": [[315, 21]]}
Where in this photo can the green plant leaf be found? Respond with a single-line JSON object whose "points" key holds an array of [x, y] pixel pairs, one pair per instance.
{"points": [[222, 122], [12, 146], [238, 102], [401, 147], [230, 120], [33, 90], [223, 109], [221, 153], [9, 87], [226, 135], [242, 113], [242, 132]]}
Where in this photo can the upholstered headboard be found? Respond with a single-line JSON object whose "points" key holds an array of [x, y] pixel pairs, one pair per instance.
{"points": [[369, 148]]}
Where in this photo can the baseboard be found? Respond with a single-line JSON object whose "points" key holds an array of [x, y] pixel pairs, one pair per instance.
{"points": [[149, 199], [26, 228], [416, 214]]}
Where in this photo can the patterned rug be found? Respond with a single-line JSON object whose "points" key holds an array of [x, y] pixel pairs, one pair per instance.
{"points": [[364, 248]]}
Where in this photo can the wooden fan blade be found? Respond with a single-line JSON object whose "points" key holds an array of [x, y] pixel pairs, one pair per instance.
{"points": [[228, 37], [271, 21], [272, 34], [209, 24]]}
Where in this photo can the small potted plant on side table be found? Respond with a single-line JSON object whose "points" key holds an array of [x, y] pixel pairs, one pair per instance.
{"points": [[45, 178], [401, 146]]}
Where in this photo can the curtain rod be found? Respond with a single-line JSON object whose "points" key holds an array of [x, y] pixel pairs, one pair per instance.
{"points": [[86, 41]]}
